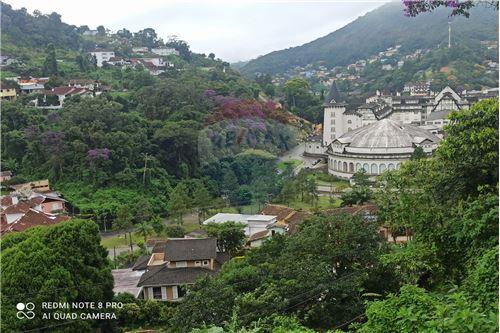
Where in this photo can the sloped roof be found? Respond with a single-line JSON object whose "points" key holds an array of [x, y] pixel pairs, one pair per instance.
{"points": [[32, 218], [259, 235], [279, 211], [164, 276], [141, 263], [180, 249], [333, 95], [125, 281]]}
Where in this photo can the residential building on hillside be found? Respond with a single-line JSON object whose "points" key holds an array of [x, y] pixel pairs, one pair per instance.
{"points": [[140, 49], [8, 93], [166, 51], [25, 209], [54, 99], [253, 223], [287, 220], [90, 33], [102, 56], [40, 186], [181, 263], [5, 176], [31, 84]]}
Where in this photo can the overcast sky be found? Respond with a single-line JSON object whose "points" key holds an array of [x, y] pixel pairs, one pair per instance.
{"points": [[233, 30]]}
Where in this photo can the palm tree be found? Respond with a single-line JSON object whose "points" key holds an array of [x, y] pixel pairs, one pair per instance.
{"points": [[144, 229]]}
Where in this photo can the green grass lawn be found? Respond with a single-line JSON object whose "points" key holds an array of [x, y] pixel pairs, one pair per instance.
{"points": [[294, 163], [119, 240], [323, 203]]}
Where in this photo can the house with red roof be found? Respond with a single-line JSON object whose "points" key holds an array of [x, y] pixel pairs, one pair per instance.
{"points": [[25, 209]]}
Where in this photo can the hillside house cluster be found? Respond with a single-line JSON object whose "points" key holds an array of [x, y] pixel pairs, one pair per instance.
{"points": [[285, 223], [29, 205], [152, 60]]}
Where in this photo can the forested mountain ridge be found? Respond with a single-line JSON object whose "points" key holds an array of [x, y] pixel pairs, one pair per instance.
{"points": [[376, 31]]}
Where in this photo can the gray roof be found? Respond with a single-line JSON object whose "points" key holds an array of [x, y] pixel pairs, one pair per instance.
{"points": [[439, 115], [386, 133], [180, 249], [333, 95], [141, 263], [125, 281], [164, 276]]}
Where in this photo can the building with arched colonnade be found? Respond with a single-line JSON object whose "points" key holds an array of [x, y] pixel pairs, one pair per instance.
{"points": [[377, 147]]}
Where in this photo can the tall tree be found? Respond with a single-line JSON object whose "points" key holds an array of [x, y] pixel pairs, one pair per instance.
{"points": [[50, 63], [60, 263], [179, 202]]}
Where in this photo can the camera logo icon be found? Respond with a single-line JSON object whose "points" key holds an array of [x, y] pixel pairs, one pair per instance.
{"points": [[25, 311]]}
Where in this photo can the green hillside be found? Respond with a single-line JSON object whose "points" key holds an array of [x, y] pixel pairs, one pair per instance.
{"points": [[375, 32]]}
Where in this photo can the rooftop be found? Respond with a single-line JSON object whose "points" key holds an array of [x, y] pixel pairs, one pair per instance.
{"points": [[181, 249], [386, 133], [164, 276]]}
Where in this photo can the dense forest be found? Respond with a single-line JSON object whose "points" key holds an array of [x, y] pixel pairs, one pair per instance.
{"points": [[377, 31], [198, 125]]}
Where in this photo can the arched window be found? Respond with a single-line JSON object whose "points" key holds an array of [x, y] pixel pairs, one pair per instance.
{"points": [[334, 165], [398, 165], [349, 129], [382, 167], [358, 166], [349, 121], [366, 167], [391, 166], [374, 169], [344, 167], [339, 166], [351, 167]]}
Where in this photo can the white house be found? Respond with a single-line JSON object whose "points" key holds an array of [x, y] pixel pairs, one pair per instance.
{"points": [[165, 51], [254, 223], [102, 56]]}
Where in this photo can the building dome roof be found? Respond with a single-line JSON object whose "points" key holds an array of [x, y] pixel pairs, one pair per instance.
{"points": [[387, 133]]}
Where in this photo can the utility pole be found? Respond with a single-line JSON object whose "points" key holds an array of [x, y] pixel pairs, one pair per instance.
{"points": [[449, 34]]}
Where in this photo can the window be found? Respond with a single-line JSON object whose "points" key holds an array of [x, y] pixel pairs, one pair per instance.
{"points": [[180, 264], [157, 293], [197, 263], [349, 121], [205, 262]]}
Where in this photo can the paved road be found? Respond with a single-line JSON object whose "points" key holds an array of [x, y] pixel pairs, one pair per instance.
{"points": [[296, 153]]}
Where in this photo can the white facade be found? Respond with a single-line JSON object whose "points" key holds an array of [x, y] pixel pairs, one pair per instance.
{"points": [[378, 147], [253, 223], [340, 118], [165, 51], [102, 56]]}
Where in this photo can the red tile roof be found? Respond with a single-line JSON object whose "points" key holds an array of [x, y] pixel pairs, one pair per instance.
{"points": [[32, 218]]}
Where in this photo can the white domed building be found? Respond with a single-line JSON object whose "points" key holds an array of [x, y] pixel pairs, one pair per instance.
{"points": [[380, 146]]}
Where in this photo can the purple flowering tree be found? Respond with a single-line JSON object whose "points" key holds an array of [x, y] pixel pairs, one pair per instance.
{"points": [[458, 7]]}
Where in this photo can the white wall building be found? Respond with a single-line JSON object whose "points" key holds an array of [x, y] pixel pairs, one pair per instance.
{"points": [[254, 223], [165, 51], [380, 146], [102, 56]]}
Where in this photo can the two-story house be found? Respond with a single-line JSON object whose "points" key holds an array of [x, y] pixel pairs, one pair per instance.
{"points": [[177, 263]]}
